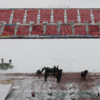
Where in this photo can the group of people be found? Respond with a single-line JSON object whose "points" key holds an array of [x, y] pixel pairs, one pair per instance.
{"points": [[2, 61]]}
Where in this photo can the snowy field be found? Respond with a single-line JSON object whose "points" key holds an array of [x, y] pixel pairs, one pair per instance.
{"points": [[69, 86], [72, 55]]}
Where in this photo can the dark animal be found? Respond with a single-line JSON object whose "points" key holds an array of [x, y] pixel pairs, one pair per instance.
{"points": [[46, 75], [83, 75], [57, 73], [58, 76]]}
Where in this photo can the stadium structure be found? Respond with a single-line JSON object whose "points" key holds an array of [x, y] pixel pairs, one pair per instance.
{"points": [[50, 23]]}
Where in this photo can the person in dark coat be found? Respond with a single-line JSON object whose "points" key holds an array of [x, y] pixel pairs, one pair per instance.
{"points": [[10, 61], [2, 60], [83, 75]]}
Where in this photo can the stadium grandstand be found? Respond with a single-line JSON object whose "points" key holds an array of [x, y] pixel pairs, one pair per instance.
{"points": [[50, 23]]}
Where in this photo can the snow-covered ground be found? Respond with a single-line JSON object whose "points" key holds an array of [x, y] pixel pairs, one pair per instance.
{"points": [[72, 55]]}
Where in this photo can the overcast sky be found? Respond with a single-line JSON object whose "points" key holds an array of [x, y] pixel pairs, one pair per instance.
{"points": [[49, 3]]}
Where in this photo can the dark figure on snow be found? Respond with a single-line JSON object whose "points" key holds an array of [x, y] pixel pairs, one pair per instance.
{"points": [[2, 60], [83, 75], [46, 75], [54, 67], [10, 61], [57, 66], [58, 76]]}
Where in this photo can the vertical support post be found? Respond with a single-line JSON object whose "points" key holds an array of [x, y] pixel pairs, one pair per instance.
{"points": [[52, 17], [44, 27], [65, 16], [92, 17], [78, 16], [72, 27], [11, 17], [30, 29], [58, 27], [2, 28], [38, 17], [87, 27], [25, 17], [16, 28], [99, 25]]}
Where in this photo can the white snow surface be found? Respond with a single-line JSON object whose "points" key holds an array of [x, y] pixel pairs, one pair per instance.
{"points": [[5, 90], [72, 55]]}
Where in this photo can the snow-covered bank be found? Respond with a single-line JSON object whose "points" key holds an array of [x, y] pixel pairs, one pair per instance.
{"points": [[72, 55]]}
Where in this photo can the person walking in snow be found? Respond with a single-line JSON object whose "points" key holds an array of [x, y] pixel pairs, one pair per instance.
{"points": [[10, 61], [2, 60]]}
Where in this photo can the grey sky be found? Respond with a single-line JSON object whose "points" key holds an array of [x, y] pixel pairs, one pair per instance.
{"points": [[49, 3]]}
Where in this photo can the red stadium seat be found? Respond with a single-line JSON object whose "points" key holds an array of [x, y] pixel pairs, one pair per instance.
{"points": [[32, 15], [23, 30], [18, 16], [85, 15], [8, 30], [94, 30], [80, 30], [96, 13], [45, 16], [51, 30], [5, 15], [37, 30], [58, 15], [65, 30], [71, 15]]}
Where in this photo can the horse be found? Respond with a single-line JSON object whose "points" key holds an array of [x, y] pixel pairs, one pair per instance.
{"points": [[83, 75], [57, 73]]}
